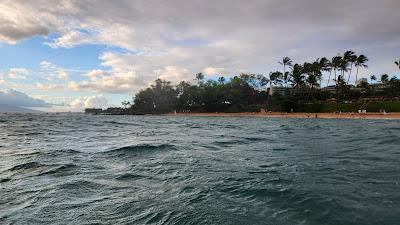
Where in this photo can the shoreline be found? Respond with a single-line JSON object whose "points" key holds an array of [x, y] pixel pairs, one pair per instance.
{"points": [[297, 115]]}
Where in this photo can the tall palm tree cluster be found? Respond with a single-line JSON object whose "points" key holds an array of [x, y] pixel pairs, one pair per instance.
{"points": [[247, 92], [310, 73]]}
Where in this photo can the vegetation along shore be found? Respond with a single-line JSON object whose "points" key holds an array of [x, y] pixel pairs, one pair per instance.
{"points": [[298, 88]]}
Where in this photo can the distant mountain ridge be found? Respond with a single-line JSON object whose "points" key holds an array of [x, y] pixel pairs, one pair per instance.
{"points": [[16, 109]]}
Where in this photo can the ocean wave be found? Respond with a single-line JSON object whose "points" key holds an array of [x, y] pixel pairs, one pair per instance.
{"points": [[38, 169], [60, 170], [129, 176], [24, 166], [122, 123], [132, 149]]}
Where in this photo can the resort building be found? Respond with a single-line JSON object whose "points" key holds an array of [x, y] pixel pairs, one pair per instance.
{"points": [[93, 111]]}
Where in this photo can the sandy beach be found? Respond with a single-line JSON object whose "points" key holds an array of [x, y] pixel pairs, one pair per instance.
{"points": [[298, 115]]}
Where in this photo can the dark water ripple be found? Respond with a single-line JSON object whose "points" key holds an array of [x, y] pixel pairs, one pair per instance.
{"points": [[77, 169]]}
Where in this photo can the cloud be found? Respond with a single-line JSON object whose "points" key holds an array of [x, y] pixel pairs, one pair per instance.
{"points": [[17, 22], [212, 71], [96, 101], [53, 71], [174, 74], [15, 74], [62, 75], [96, 74], [114, 82], [2, 81], [177, 39], [19, 99]]}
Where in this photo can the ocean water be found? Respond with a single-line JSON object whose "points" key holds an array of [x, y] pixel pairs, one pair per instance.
{"points": [[81, 169]]}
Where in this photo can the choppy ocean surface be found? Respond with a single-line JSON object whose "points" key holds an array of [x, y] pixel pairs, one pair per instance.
{"points": [[81, 169]]}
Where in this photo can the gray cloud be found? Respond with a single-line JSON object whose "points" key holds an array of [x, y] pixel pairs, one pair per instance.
{"points": [[189, 36]]}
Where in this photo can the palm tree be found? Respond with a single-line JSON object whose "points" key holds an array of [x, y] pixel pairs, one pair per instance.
{"points": [[384, 78], [324, 66], [351, 58], [397, 64], [125, 104], [285, 62], [360, 62], [336, 63], [297, 76], [312, 80], [373, 78], [343, 67], [329, 68], [199, 77], [317, 68]]}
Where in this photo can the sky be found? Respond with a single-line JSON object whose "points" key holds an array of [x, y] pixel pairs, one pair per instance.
{"points": [[66, 55]]}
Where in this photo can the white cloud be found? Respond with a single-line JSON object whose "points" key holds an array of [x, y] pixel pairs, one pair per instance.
{"points": [[46, 65], [2, 81], [15, 98], [51, 71], [174, 74], [17, 73], [114, 82], [47, 86], [62, 75], [95, 74], [71, 39], [212, 71], [96, 101]]}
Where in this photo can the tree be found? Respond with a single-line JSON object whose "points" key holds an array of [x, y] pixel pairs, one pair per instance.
{"points": [[286, 61], [221, 80], [373, 78], [298, 78], [384, 78], [351, 58], [276, 77], [336, 63], [329, 68], [262, 81], [125, 104], [324, 65], [343, 67], [360, 63], [199, 78], [157, 99], [144, 101], [397, 64]]}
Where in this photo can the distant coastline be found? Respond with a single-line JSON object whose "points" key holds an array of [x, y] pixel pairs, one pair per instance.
{"points": [[297, 115]]}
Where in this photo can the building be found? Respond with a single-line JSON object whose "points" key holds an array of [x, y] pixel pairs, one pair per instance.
{"points": [[114, 111], [280, 90], [108, 111], [361, 81], [93, 111], [330, 89]]}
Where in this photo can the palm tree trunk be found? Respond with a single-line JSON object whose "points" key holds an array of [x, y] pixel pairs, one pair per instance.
{"points": [[270, 89], [357, 74], [335, 76], [336, 87], [351, 67], [330, 73]]}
